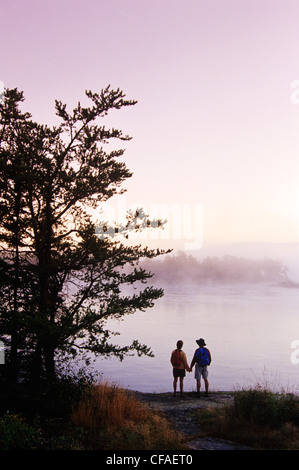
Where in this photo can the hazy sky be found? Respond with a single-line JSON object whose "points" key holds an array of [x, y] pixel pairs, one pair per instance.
{"points": [[216, 128]]}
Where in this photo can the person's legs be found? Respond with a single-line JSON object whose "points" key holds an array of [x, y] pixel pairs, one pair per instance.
{"points": [[205, 377], [207, 386], [197, 376], [175, 381], [181, 385]]}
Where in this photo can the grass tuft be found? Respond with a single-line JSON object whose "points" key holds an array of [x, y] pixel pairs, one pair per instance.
{"points": [[114, 419], [258, 418]]}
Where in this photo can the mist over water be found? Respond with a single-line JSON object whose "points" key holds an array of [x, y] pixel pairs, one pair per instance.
{"points": [[249, 330], [249, 327]]}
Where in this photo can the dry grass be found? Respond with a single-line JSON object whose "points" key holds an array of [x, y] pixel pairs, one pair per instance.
{"points": [[116, 420], [107, 406]]}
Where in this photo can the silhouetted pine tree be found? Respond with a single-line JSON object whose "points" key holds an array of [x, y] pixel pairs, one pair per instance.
{"points": [[60, 282]]}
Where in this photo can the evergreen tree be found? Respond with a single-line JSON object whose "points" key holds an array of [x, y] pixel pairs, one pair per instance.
{"points": [[60, 282]]}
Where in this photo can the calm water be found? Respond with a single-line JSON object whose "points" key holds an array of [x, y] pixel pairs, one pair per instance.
{"points": [[248, 329]]}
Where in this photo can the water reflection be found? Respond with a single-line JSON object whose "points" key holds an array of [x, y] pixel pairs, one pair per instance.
{"points": [[248, 329]]}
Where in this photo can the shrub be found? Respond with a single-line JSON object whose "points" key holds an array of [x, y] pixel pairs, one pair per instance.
{"points": [[17, 434], [258, 418], [263, 407], [44, 398]]}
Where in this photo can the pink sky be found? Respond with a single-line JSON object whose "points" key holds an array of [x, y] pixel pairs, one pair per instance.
{"points": [[215, 126]]}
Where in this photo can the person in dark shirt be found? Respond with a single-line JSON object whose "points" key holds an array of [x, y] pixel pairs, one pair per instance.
{"points": [[201, 367]]}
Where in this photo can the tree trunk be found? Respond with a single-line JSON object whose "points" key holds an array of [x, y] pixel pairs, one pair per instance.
{"points": [[49, 362], [14, 367], [36, 364], [45, 306]]}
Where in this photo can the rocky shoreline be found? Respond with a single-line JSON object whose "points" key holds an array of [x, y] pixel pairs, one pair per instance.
{"points": [[180, 412]]}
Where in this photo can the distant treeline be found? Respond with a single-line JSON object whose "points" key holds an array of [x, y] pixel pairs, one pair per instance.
{"points": [[182, 267]]}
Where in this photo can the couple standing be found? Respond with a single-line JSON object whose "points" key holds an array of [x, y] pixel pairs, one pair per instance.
{"points": [[201, 359]]}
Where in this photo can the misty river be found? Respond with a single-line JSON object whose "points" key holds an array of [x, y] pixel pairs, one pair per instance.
{"points": [[251, 330]]}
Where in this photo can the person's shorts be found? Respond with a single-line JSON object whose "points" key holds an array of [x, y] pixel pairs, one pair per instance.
{"points": [[179, 372], [200, 371]]}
